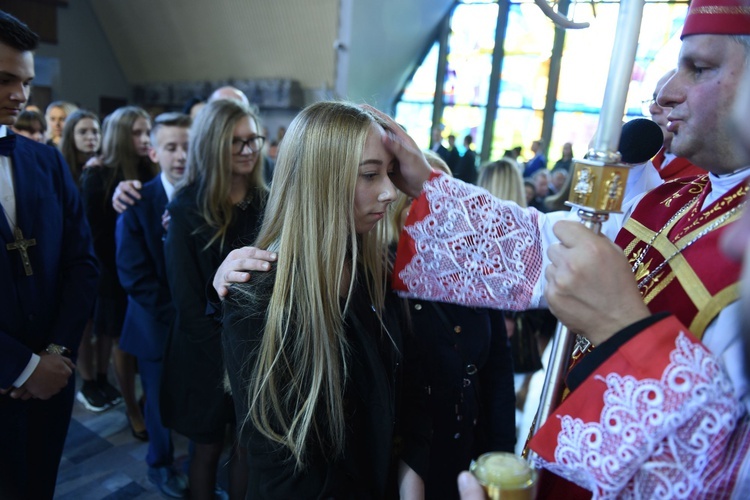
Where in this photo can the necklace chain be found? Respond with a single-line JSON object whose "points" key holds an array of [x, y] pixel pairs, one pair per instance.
{"points": [[720, 220], [645, 250]]}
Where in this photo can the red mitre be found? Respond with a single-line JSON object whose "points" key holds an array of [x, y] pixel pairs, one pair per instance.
{"points": [[717, 17]]}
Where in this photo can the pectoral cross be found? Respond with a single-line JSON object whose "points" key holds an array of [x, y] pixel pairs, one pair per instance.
{"points": [[22, 245]]}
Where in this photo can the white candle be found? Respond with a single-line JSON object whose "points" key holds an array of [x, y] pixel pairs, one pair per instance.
{"points": [[618, 81]]}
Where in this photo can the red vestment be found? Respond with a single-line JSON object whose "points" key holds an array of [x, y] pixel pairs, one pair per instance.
{"points": [[699, 280], [461, 245], [662, 425], [675, 169]]}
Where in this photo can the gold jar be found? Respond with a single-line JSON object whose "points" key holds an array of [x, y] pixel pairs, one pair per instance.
{"points": [[505, 476]]}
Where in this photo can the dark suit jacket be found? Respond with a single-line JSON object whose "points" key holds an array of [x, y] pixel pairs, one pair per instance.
{"points": [[454, 157], [53, 304], [97, 186], [140, 265], [467, 167], [443, 153]]}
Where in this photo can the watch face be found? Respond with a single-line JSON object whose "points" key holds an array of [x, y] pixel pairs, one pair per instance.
{"points": [[57, 349]]}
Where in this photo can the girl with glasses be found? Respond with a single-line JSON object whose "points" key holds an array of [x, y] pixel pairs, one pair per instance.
{"points": [[217, 207]]}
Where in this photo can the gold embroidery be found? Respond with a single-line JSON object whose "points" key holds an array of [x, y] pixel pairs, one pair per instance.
{"points": [[721, 9], [718, 302], [719, 207], [653, 290], [642, 269], [696, 187]]}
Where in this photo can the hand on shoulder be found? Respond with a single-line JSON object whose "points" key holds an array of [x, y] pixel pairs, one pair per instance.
{"points": [[237, 266]]}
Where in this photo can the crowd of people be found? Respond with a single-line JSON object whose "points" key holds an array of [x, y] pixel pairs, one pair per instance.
{"points": [[544, 187], [255, 299]]}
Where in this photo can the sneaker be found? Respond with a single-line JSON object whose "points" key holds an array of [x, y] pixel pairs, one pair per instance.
{"points": [[92, 398], [110, 392], [168, 482]]}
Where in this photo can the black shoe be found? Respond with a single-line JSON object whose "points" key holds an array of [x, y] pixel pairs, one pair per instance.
{"points": [[92, 398], [169, 483], [110, 392], [139, 435]]}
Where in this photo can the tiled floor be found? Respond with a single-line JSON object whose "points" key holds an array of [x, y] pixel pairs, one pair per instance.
{"points": [[102, 460]]}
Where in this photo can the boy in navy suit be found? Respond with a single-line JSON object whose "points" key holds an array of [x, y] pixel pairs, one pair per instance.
{"points": [[48, 279], [140, 265]]}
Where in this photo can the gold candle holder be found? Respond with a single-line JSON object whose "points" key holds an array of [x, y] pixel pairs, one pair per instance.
{"points": [[598, 186], [505, 476]]}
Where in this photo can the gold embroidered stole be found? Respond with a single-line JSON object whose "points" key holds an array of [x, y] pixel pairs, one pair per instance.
{"points": [[683, 271]]}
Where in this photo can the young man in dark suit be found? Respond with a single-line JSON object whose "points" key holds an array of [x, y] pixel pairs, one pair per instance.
{"points": [[140, 266], [48, 279]]}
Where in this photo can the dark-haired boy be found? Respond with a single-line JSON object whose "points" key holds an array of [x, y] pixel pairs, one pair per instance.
{"points": [[140, 266], [47, 285]]}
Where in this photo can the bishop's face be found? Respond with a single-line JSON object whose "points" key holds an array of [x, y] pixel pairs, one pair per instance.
{"points": [[701, 95], [16, 73]]}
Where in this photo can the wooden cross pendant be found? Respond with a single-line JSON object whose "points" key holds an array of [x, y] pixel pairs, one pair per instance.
{"points": [[22, 245]]}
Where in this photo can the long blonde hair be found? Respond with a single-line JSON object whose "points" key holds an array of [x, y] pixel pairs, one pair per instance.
{"points": [[503, 180], [295, 393], [209, 163]]}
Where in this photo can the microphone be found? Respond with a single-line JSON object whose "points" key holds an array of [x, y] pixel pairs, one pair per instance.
{"points": [[640, 140]]}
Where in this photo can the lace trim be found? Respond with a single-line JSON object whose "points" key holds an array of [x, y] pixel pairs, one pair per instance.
{"points": [[473, 249], [668, 438]]}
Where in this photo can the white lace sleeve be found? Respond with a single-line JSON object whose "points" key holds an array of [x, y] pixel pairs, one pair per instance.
{"points": [[474, 249], [683, 436]]}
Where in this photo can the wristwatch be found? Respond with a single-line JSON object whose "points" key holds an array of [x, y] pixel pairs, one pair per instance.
{"points": [[58, 349]]}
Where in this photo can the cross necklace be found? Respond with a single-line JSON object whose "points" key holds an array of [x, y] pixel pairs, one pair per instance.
{"points": [[21, 244]]}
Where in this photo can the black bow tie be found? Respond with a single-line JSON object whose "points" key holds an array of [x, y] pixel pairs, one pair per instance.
{"points": [[7, 144]]}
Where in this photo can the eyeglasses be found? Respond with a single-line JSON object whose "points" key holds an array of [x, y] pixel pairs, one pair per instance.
{"points": [[646, 106], [254, 143]]}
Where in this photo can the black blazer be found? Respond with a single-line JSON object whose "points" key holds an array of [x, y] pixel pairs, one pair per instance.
{"points": [[97, 186], [193, 397], [465, 366], [382, 408]]}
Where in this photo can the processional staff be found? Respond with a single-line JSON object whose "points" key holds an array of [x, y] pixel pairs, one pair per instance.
{"points": [[597, 185]]}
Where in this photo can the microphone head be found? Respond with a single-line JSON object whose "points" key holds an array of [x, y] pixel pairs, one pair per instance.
{"points": [[640, 140]]}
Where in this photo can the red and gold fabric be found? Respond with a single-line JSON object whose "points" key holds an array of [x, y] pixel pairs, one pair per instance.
{"points": [[675, 169], [698, 282], [662, 425], [717, 17]]}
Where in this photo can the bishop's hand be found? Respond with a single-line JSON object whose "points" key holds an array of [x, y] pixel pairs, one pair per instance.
{"points": [[590, 287], [413, 170]]}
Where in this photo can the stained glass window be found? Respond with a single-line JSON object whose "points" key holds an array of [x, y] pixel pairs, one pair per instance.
{"points": [[525, 72]]}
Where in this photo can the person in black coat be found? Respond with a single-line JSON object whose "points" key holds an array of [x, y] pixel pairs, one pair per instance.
{"points": [[217, 207], [464, 362], [467, 166], [454, 157], [125, 147], [326, 406], [142, 270]]}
